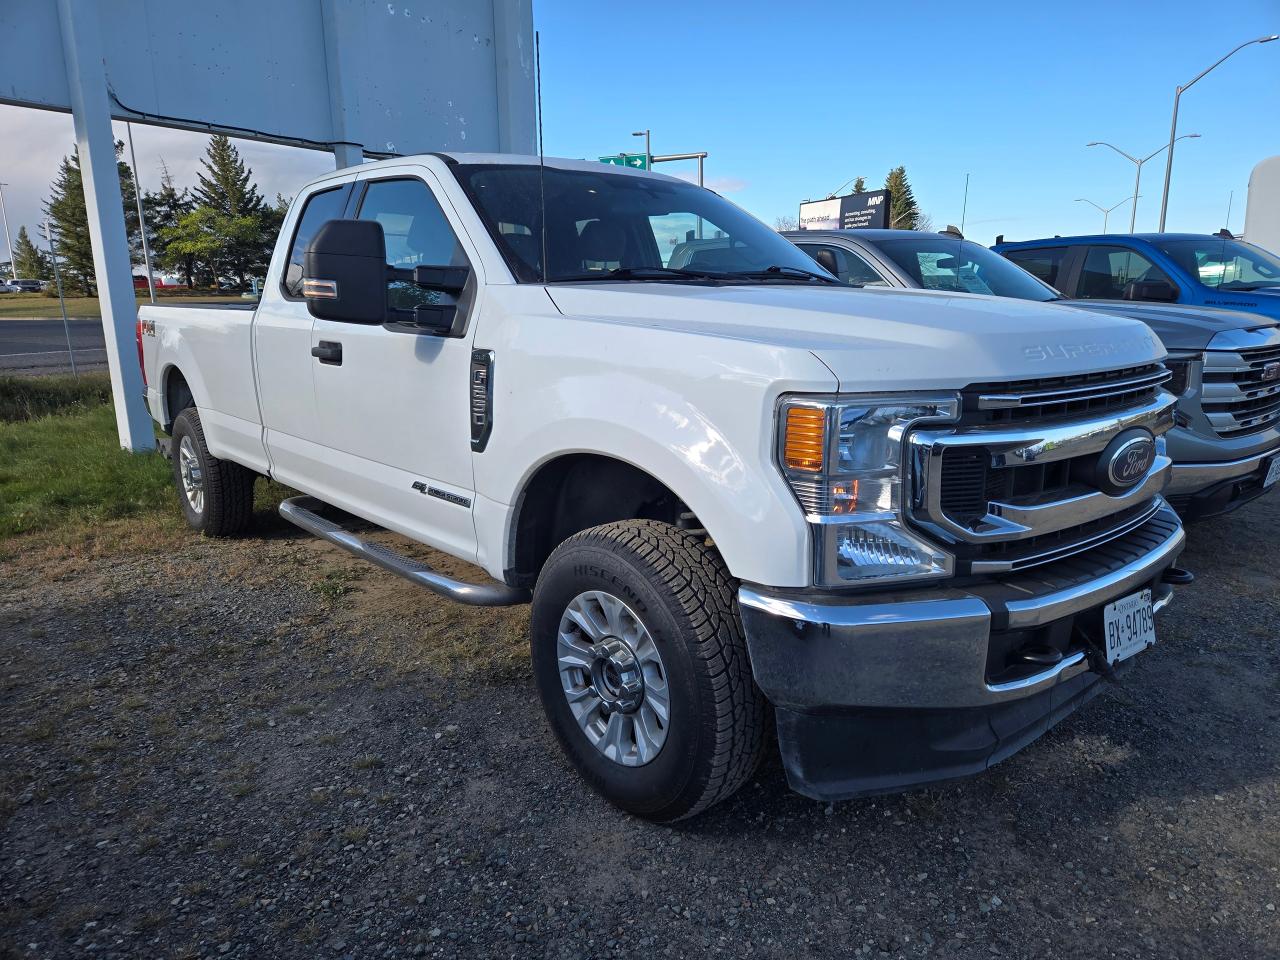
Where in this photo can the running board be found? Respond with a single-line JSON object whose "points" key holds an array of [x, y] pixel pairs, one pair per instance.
{"points": [[303, 512]]}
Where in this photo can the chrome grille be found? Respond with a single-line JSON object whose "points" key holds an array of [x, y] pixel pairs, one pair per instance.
{"points": [[1004, 496], [1240, 388], [1078, 395]]}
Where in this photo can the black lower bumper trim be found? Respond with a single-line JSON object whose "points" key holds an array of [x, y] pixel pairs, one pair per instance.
{"points": [[1219, 499], [837, 756]]}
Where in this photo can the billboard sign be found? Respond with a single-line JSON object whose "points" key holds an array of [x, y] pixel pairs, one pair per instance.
{"points": [[390, 78], [856, 211]]}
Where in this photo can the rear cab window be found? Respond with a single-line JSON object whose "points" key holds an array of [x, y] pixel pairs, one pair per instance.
{"points": [[1043, 263]]}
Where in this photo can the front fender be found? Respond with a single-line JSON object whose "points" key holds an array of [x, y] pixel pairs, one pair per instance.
{"points": [[695, 413]]}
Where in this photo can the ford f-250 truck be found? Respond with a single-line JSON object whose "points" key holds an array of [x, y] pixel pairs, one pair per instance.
{"points": [[921, 526]]}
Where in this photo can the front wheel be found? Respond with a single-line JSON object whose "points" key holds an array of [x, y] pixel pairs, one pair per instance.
{"points": [[642, 668], [216, 495]]}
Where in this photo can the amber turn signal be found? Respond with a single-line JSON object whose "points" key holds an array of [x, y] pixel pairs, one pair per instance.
{"points": [[805, 438]]}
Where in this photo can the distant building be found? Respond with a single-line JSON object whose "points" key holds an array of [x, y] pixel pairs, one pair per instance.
{"points": [[1262, 215]]}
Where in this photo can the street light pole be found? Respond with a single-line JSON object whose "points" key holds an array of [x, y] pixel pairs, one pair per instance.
{"points": [[1137, 180], [142, 223], [13, 267], [1105, 211], [648, 150], [1173, 127]]}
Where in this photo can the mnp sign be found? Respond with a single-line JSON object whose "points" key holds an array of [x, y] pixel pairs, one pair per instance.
{"points": [[852, 212], [347, 76]]}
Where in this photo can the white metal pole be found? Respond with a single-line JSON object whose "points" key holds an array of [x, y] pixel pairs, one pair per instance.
{"points": [[1173, 127], [13, 267], [142, 220], [81, 25], [57, 278]]}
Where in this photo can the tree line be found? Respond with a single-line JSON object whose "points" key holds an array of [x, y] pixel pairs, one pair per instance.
{"points": [[219, 230]]}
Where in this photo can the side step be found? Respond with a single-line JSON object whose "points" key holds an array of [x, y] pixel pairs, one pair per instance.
{"points": [[303, 512]]}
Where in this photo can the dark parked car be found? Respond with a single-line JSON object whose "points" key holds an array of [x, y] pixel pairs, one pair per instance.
{"points": [[1225, 363]]}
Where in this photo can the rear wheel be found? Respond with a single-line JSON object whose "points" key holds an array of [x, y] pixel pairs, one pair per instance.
{"points": [[216, 495], [642, 668]]}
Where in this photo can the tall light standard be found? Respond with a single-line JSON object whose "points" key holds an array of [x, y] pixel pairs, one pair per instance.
{"points": [[1137, 180], [1173, 128], [648, 151], [1105, 211], [13, 267]]}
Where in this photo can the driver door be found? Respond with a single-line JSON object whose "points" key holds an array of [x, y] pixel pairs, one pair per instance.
{"points": [[393, 405]]}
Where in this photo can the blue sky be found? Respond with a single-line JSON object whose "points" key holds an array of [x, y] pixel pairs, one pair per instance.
{"points": [[793, 99]]}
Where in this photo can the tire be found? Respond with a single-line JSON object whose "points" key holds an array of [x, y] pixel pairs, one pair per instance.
{"points": [[216, 495], [662, 583]]}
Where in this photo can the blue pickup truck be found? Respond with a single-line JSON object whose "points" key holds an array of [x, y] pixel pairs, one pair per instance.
{"points": [[1191, 269]]}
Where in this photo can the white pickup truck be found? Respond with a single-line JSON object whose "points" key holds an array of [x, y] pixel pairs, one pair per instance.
{"points": [[920, 526]]}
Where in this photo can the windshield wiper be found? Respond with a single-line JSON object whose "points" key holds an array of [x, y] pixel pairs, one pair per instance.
{"points": [[1240, 286], [641, 273], [785, 273]]}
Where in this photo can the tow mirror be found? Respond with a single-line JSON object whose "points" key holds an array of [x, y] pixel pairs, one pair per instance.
{"points": [[1159, 290], [344, 273]]}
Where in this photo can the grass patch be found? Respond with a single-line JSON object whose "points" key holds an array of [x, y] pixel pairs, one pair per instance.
{"points": [[21, 305], [68, 470], [29, 398]]}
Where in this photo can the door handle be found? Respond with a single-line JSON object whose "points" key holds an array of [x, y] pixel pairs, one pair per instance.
{"points": [[328, 351]]}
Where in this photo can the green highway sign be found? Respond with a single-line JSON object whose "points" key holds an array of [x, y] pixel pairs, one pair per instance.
{"points": [[637, 161]]}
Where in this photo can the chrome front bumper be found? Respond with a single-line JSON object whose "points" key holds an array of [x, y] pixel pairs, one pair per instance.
{"points": [[928, 648]]}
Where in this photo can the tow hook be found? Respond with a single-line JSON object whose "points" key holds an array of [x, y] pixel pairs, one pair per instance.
{"points": [[1177, 576]]}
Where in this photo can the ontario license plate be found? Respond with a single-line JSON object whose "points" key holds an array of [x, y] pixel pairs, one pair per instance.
{"points": [[1273, 474], [1130, 624]]}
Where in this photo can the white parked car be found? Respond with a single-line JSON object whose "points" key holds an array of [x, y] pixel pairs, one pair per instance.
{"points": [[921, 526]]}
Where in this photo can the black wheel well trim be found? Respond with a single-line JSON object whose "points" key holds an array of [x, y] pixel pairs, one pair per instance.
{"points": [[541, 519], [173, 384]]}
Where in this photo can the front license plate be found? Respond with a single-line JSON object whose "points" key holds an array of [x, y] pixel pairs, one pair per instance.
{"points": [[1273, 474], [1130, 624]]}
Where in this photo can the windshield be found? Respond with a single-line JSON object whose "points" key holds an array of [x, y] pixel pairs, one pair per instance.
{"points": [[961, 266], [1225, 264], [618, 226]]}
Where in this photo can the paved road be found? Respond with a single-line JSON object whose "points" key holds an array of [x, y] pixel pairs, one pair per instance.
{"points": [[40, 345]]}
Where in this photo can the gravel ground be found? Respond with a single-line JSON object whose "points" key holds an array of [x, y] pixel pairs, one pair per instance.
{"points": [[261, 749]]}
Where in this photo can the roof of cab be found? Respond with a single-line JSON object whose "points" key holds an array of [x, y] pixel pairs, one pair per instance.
{"points": [[1111, 238]]}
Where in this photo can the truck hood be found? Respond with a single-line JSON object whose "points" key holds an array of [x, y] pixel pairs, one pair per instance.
{"points": [[1179, 327], [881, 339]]}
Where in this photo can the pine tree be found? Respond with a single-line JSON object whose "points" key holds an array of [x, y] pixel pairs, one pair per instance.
{"points": [[226, 190], [69, 219], [860, 185], [903, 212], [165, 209], [227, 186], [30, 262]]}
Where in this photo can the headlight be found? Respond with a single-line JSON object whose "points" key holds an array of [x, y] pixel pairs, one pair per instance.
{"points": [[1183, 366], [842, 457]]}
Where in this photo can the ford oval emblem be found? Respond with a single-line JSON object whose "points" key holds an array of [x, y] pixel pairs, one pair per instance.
{"points": [[1130, 461]]}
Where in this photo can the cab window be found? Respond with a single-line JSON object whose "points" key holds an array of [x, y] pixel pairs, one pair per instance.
{"points": [[1108, 270], [1043, 263], [845, 264], [323, 206], [417, 234]]}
